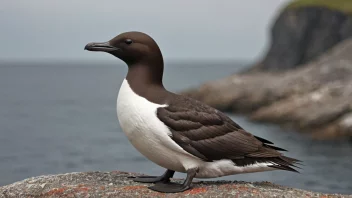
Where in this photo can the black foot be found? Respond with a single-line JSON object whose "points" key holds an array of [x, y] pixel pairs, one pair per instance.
{"points": [[165, 178], [173, 187], [148, 179], [169, 187]]}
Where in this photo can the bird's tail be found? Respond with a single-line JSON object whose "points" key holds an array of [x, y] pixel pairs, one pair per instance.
{"points": [[286, 163]]}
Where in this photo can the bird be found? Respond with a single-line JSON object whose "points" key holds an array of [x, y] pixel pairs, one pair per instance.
{"points": [[177, 132]]}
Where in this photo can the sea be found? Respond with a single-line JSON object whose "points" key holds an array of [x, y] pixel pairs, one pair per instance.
{"points": [[60, 116]]}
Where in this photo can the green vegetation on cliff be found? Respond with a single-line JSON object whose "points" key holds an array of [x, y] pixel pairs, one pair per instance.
{"points": [[342, 5]]}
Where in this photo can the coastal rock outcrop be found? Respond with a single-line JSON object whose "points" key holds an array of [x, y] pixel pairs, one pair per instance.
{"points": [[317, 97], [304, 81], [302, 33], [117, 184]]}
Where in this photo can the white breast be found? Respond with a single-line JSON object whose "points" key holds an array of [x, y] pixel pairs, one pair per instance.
{"points": [[151, 137]]}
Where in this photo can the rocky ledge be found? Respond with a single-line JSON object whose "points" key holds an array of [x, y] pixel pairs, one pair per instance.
{"points": [[117, 184], [315, 97]]}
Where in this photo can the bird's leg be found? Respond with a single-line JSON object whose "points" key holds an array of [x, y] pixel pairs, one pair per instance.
{"points": [[174, 187], [165, 178]]}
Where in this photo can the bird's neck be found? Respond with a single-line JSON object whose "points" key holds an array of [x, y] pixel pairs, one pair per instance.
{"points": [[143, 75]]}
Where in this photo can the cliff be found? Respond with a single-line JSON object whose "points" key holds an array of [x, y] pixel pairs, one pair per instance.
{"points": [[305, 79], [304, 30], [116, 184], [316, 97]]}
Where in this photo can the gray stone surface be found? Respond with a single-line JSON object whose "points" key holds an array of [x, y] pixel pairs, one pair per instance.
{"points": [[316, 97], [300, 35], [116, 184]]}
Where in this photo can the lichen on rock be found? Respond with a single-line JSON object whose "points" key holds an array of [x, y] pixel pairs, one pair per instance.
{"points": [[117, 184]]}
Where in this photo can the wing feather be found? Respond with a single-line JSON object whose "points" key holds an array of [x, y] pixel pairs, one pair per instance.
{"points": [[210, 135]]}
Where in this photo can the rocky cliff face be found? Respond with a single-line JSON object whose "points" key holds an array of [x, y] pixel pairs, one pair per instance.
{"points": [[301, 34], [304, 81], [316, 97]]}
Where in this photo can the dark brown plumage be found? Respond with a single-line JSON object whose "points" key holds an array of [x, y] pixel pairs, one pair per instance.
{"points": [[210, 135]]}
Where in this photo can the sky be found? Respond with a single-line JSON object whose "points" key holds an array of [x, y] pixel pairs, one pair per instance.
{"points": [[197, 29]]}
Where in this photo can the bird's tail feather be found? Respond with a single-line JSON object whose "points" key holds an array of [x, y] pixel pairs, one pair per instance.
{"points": [[285, 163]]}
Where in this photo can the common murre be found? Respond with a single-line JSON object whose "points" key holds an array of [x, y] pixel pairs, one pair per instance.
{"points": [[176, 132]]}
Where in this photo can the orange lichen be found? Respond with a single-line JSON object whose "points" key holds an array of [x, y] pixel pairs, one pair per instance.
{"points": [[241, 188], [157, 194], [195, 191], [80, 189], [132, 187], [56, 191], [102, 187], [226, 186]]}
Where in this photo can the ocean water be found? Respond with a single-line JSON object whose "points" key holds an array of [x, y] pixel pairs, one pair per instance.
{"points": [[59, 117]]}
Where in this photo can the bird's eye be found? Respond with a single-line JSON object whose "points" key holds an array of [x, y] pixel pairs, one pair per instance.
{"points": [[128, 41]]}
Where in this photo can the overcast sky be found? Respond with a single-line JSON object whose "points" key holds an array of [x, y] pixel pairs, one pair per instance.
{"points": [[39, 29]]}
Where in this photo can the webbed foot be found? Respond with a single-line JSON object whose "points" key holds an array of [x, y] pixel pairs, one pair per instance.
{"points": [[174, 187], [165, 178]]}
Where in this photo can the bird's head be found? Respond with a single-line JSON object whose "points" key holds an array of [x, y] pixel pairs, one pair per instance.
{"points": [[130, 47]]}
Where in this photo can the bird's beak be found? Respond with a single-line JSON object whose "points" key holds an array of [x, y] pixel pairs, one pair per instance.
{"points": [[100, 47]]}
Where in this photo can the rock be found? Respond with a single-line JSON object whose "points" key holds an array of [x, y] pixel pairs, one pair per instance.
{"points": [[315, 97], [116, 184], [302, 33]]}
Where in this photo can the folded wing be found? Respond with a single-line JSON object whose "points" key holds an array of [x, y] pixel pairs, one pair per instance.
{"points": [[210, 135]]}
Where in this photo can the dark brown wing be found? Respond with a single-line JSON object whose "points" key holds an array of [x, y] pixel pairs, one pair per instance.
{"points": [[210, 135]]}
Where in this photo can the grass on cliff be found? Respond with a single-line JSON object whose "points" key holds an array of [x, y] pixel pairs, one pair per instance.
{"points": [[341, 5]]}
